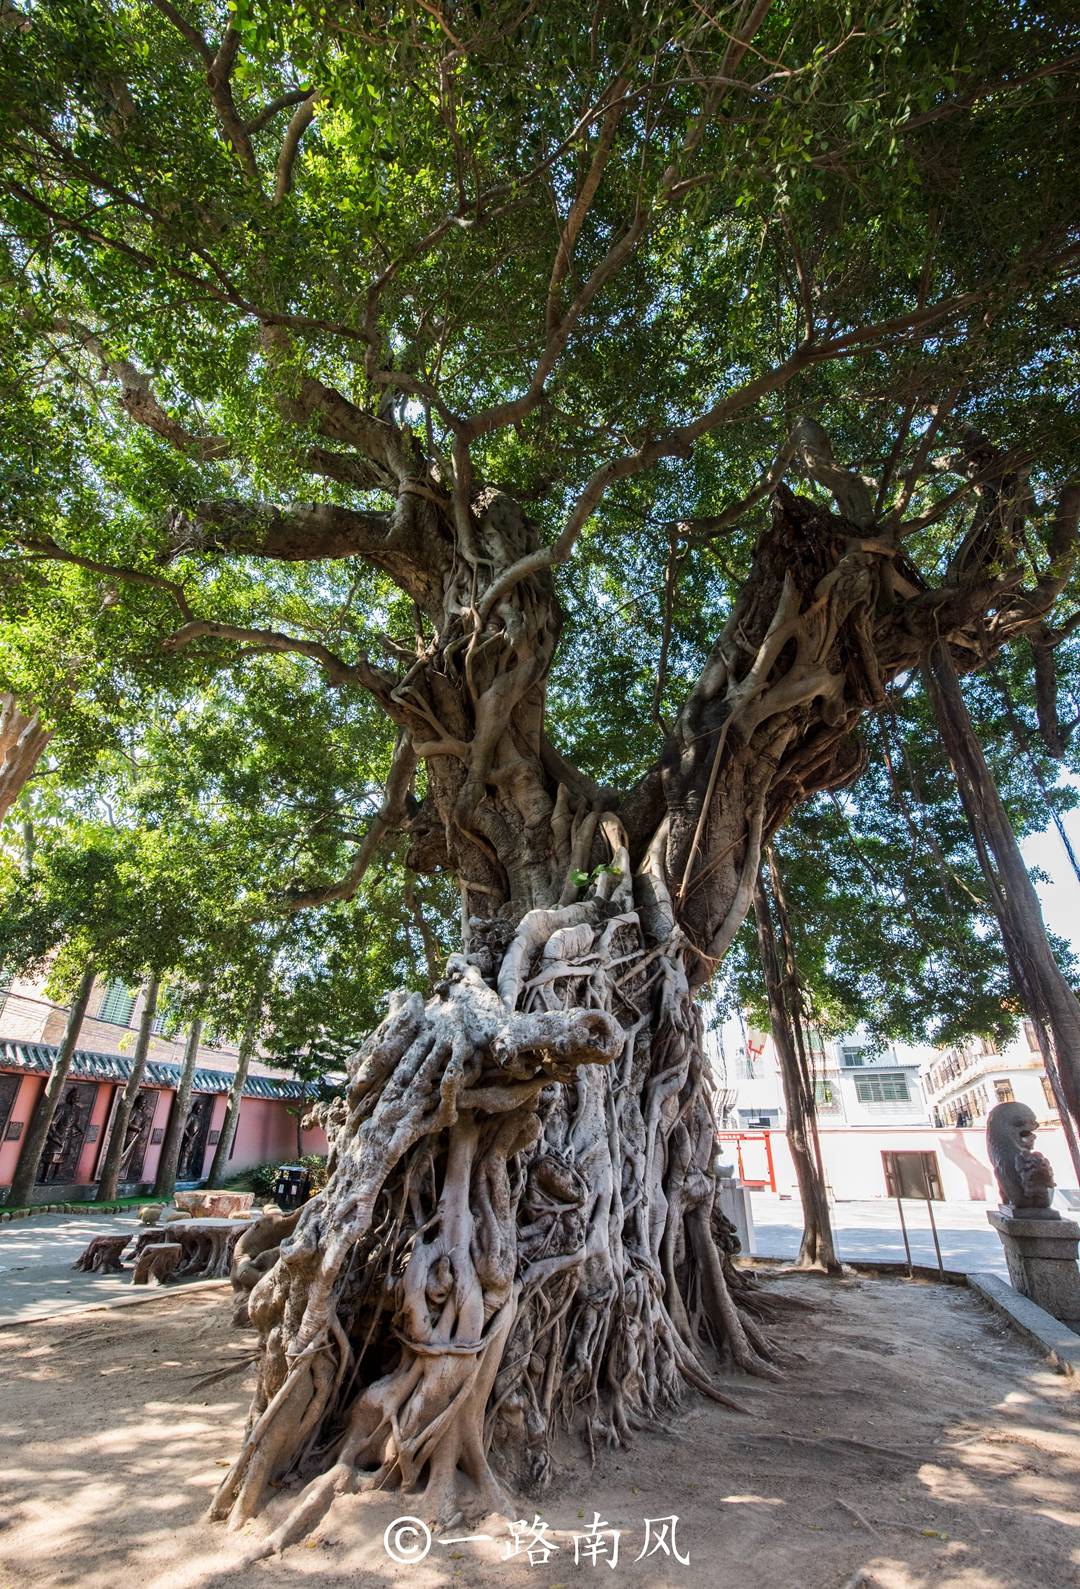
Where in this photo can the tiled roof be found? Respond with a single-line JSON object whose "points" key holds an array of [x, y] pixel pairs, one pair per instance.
{"points": [[117, 1067]]}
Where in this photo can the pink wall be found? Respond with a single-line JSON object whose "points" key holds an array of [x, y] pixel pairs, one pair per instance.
{"points": [[267, 1133], [98, 1115], [853, 1167], [25, 1099]]}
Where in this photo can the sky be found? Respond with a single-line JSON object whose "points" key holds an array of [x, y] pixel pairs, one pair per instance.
{"points": [[1060, 895]]}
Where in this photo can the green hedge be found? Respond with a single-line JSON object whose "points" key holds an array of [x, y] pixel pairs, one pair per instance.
{"points": [[263, 1177]]}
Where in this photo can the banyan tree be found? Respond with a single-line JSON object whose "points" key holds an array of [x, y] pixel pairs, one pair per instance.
{"points": [[610, 404]]}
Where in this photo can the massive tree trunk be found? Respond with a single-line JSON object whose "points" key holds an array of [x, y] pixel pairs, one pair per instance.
{"points": [[782, 985], [519, 1231], [23, 739], [22, 1183], [1049, 1000], [165, 1180], [114, 1151]]}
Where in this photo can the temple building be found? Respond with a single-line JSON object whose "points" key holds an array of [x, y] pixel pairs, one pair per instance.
{"points": [[31, 1031]]}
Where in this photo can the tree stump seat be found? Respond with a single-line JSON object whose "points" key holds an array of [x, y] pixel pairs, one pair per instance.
{"points": [[152, 1237], [158, 1261], [102, 1256]]}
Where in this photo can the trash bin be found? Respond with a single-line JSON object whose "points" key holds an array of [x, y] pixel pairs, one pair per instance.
{"points": [[292, 1187]]}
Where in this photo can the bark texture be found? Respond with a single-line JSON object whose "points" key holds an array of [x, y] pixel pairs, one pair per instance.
{"points": [[23, 740], [22, 1182]]}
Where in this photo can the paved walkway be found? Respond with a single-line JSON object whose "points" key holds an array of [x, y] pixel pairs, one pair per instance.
{"points": [[36, 1255], [871, 1230]]}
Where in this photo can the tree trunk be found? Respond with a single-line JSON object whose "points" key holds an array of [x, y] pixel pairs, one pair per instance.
{"points": [[816, 1250], [25, 1176], [23, 740], [1047, 996], [114, 1152], [248, 1042], [518, 1229], [165, 1183]]}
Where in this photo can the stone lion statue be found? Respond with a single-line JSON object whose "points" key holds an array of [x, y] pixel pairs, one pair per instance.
{"points": [[1025, 1178]]}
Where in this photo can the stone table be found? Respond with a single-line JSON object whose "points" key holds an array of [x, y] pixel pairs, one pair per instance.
{"points": [[207, 1245]]}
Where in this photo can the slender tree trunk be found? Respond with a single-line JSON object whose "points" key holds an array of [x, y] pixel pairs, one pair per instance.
{"points": [[232, 1109], [30, 1158], [114, 1152], [22, 742], [816, 1251], [1047, 996], [165, 1183]]}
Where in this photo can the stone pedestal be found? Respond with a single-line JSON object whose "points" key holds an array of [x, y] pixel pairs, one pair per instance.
{"points": [[734, 1200], [1041, 1255]]}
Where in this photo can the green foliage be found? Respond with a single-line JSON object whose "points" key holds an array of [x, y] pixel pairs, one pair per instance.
{"points": [[859, 167]]}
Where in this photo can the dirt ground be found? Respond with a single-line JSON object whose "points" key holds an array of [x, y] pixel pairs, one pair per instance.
{"points": [[915, 1445]]}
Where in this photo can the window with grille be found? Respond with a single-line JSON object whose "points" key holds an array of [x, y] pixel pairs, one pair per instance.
{"points": [[882, 1089], [1048, 1093], [1003, 1092], [117, 1004]]}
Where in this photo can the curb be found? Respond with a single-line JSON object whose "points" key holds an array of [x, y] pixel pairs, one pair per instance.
{"points": [[1040, 1329], [152, 1294], [8, 1214]]}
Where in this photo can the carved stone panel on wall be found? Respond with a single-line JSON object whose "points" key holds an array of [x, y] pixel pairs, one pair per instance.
{"points": [[193, 1141], [9, 1090], [67, 1133]]}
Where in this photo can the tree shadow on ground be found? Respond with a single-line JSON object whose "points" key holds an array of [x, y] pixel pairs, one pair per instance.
{"points": [[913, 1440]]}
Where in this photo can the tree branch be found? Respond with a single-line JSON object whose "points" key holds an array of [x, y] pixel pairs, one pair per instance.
{"points": [[337, 670], [299, 122], [390, 813], [138, 400], [50, 551]]}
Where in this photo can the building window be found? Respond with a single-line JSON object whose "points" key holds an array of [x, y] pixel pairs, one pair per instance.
{"points": [[1003, 1092], [1032, 1040], [823, 1095], [117, 1004], [851, 1055], [882, 1089], [1048, 1092]]}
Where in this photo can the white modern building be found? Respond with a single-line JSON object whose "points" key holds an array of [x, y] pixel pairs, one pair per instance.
{"points": [[855, 1083], [963, 1084]]}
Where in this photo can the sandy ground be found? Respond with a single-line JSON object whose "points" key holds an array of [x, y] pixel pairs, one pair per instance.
{"points": [[915, 1445]]}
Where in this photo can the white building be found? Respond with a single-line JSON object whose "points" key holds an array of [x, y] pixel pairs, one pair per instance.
{"points": [[962, 1085], [855, 1085]]}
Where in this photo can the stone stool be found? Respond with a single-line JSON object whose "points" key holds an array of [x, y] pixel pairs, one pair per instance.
{"points": [[103, 1255], [159, 1262]]}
